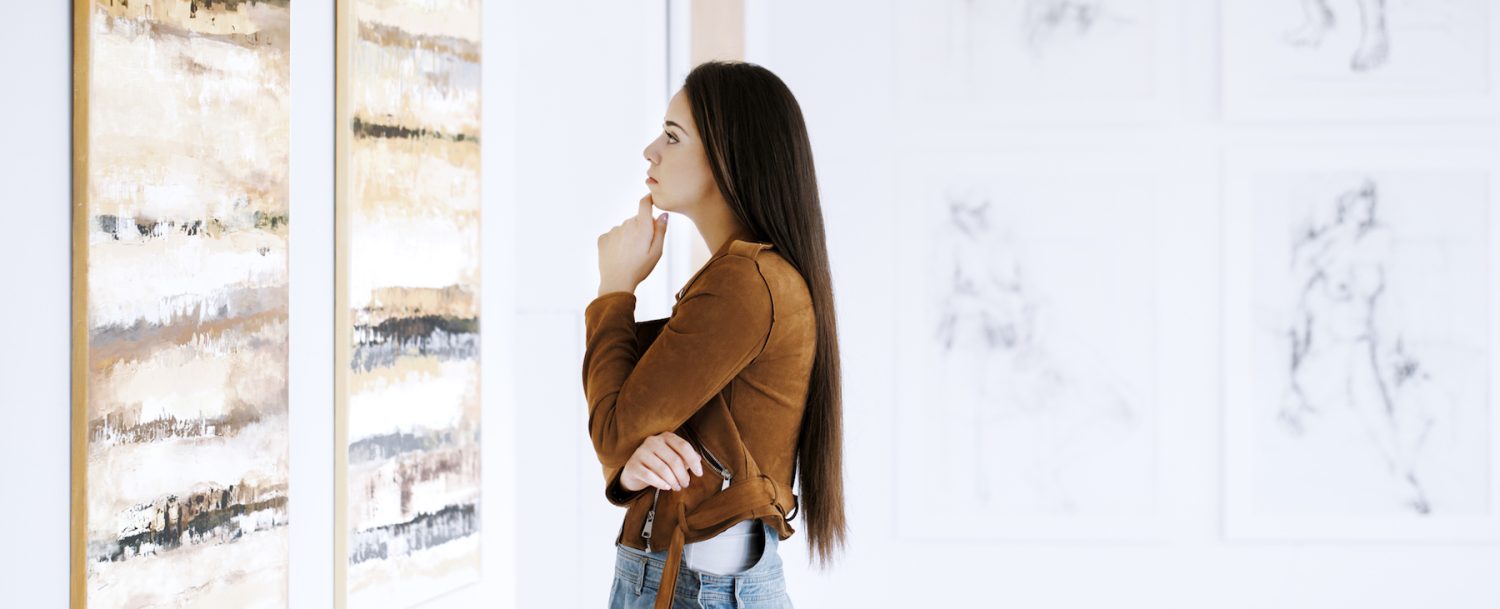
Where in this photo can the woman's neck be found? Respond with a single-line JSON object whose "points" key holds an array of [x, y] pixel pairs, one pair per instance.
{"points": [[718, 236]]}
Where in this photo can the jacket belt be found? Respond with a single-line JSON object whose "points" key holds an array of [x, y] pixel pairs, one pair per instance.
{"points": [[741, 501]]}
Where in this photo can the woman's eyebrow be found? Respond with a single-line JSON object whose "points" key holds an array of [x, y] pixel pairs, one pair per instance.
{"points": [[672, 124]]}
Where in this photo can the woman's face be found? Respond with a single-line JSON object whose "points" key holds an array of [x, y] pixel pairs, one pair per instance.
{"points": [[677, 162]]}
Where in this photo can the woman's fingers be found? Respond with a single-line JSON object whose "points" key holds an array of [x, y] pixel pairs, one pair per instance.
{"points": [[665, 461], [664, 452], [643, 212], [659, 471], [684, 450], [664, 469], [650, 478]]}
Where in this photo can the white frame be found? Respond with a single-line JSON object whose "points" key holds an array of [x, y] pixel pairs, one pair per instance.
{"points": [[1081, 157], [1166, 49], [1240, 104], [1240, 521]]}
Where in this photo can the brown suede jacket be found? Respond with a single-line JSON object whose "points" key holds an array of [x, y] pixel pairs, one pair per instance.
{"points": [[728, 371]]}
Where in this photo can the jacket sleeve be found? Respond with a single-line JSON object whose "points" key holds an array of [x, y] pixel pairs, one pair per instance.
{"points": [[645, 334], [718, 327]]}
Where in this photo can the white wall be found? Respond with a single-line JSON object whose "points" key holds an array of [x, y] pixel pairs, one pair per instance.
{"points": [[572, 92], [34, 378], [846, 91]]}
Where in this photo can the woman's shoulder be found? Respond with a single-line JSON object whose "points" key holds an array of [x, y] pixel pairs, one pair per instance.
{"points": [[730, 275], [732, 268], [753, 271]]}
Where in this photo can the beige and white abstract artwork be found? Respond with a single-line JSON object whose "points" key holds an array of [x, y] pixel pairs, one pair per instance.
{"points": [[180, 432], [408, 274]]}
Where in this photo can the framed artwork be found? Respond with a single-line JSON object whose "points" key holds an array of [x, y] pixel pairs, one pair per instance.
{"points": [[1028, 61], [1360, 290], [179, 378], [1361, 59], [1026, 404], [407, 491]]}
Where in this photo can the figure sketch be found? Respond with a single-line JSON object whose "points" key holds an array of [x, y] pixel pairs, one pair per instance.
{"points": [[1342, 352], [1047, 22], [987, 40], [1374, 38], [1006, 373]]}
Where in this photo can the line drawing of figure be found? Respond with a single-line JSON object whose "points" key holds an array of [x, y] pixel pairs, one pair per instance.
{"points": [[1374, 37], [975, 28], [1341, 353], [1045, 21], [982, 310], [996, 354]]}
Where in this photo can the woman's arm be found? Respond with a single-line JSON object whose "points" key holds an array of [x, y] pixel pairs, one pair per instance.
{"points": [[614, 490], [719, 327]]}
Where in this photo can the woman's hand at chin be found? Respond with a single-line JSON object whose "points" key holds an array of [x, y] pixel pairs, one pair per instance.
{"points": [[629, 251]]}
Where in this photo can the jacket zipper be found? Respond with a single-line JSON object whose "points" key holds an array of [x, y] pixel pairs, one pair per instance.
{"points": [[650, 518], [718, 467], [713, 461], [656, 494]]}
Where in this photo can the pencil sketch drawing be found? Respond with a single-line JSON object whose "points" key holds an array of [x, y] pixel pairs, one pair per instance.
{"points": [[1371, 294], [1032, 399], [1319, 19]]}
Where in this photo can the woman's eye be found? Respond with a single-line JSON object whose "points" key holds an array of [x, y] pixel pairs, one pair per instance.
{"points": [[670, 139]]}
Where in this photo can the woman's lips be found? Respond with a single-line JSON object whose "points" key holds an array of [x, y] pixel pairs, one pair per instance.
{"points": [[650, 180]]}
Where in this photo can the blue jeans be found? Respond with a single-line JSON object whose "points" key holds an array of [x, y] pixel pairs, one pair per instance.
{"points": [[638, 576]]}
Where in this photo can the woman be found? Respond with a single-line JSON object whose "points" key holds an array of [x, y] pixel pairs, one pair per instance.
{"points": [[703, 420]]}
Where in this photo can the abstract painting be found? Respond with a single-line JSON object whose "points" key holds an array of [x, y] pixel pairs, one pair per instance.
{"points": [[1360, 59], [1029, 59], [408, 489], [1362, 407], [180, 214], [1026, 402]]}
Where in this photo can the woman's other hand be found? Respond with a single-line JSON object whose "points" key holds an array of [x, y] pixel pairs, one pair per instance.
{"points": [[663, 461]]}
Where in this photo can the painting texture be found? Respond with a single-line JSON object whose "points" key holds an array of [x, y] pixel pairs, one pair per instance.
{"points": [[180, 280], [409, 299]]}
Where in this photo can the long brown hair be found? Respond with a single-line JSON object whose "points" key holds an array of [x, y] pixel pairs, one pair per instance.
{"points": [[758, 148]]}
